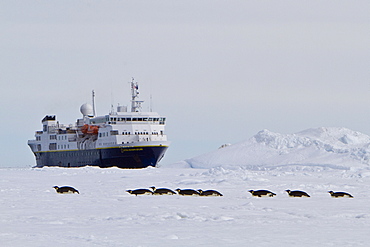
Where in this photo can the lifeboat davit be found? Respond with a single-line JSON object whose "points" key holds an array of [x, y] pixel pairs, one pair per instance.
{"points": [[90, 129]]}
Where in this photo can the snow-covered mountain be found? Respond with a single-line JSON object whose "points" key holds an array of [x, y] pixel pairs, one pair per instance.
{"points": [[317, 148]]}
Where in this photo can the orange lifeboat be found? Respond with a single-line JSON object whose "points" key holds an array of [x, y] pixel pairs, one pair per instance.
{"points": [[90, 129]]}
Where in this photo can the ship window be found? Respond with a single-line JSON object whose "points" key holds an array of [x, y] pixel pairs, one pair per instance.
{"points": [[53, 137], [52, 146], [114, 132]]}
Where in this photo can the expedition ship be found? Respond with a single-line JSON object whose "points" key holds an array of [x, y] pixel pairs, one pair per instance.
{"points": [[121, 139]]}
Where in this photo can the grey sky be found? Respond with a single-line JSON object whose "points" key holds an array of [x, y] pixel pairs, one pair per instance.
{"points": [[219, 70]]}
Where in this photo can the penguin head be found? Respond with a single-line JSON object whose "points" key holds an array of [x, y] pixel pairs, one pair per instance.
{"points": [[251, 191], [56, 187], [153, 188], [330, 192], [200, 191], [287, 191], [178, 190], [129, 191]]}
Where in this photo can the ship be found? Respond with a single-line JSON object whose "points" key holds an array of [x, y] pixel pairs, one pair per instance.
{"points": [[122, 138]]}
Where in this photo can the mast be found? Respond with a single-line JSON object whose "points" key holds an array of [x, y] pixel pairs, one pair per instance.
{"points": [[135, 104], [93, 102]]}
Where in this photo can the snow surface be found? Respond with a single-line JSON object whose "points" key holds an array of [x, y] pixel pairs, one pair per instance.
{"points": [[103, 214], [322, 147]]}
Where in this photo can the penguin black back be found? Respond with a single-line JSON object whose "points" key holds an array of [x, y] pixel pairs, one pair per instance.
{"points": [[188, 192], [65, 190], [162, 191], [140, 192], [297, 193], [209, 193], [262, 193], [339, 194]]}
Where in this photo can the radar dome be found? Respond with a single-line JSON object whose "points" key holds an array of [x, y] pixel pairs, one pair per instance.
{"points": [[87, 110]]}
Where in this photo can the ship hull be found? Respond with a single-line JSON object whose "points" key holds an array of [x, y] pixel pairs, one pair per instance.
{"points": [[121, 157]]}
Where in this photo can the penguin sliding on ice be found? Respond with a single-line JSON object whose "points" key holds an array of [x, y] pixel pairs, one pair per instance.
{"points": [[140, 192], [65, 190], [209, 193], [188, 192], [297, 193], [262, 193], [162, 191], [340, 194]]}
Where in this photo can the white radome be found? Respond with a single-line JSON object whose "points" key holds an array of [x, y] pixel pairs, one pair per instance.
{"points": [[87, 110]]}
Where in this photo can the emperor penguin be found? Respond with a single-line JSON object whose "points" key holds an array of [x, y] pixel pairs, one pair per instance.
{"points": [[262, 193], [140, 192], [65, 190], [209, 193], [187, 192], [162, 191], [339, 194], [297, 193]]}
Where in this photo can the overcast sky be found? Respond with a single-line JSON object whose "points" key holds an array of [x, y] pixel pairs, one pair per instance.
{"points": [[220, 71]]}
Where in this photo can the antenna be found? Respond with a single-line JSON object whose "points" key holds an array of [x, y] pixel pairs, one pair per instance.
{"points": [[93, 102], [135, 104]]}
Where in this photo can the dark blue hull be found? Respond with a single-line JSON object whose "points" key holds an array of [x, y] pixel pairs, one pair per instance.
{"points": [[124, 157]]}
